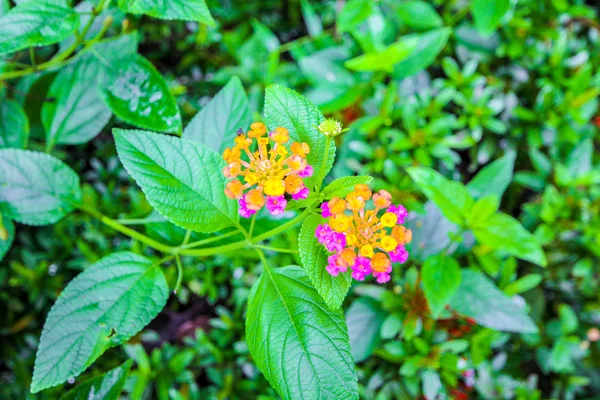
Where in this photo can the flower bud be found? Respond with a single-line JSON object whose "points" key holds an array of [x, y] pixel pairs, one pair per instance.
{"points": [[331, 127]]}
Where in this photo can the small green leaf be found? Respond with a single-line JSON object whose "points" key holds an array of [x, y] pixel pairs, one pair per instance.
{"points": [[384, 60], [487, 14], [76, 113], [332, 289], [451, 197], [299, 345], [139, 95], [181, 179], [441, 279], [477, 297], [216, 124], [36, 188], [353, 14], [523, 284], [36, 23], [482, 210], [503, 232], [494, 178], [287, 108], [101, 308], [568, 319], [419, 15], [342, 186], [107, 386], [186, 10], [314, 26], [561, 358], [429, 45], [14, 125], [364, 319], [7, 235]]}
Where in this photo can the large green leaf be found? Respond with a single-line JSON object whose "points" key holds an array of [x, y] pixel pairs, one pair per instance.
{"points": [[287, 108], [36, 188], [503, 232], [107, 386], [477, 297], [424, 53], [14, 125], [7, 235], [441, 278], [419, 15], [187, 10], [76, 113], [488, 14], [101, 308], [364, 318], [139, 95], [452, 198], [342, 186], [36, 23], [299, 345], [216, 124], [353, 14], [493, 178], [181, 179], [332, 289]]}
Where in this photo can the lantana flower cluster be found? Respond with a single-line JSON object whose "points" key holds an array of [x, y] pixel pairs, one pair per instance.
{"points": [[359, 238], [270, 172]]}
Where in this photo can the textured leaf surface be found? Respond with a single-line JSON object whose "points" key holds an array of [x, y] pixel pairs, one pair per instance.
{"points": [[104, 387], [505, 233], [441, 279], [14, 125], [332, 289], [181, 179], [364, 318], [36, 188], [7, 236], [102, 307], [187, 10], [452, 198], [77, 113], [493, 178], [216, 124], [285, 107], [36, 23], [139, 95], [342, 186], [300, 346], [477, 297]]}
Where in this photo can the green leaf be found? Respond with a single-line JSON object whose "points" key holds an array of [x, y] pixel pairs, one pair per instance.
{"points": [[419, 15], [452, 198], [14, 125], [314, 26], [503, 232], [332, 289], [107, 386], [523, 284], [488, 14], [477, 297], [101, 308], [216, 124], [482, 211], [36, 188], [36, 23], [568, 319], [186, 10], [384, 60], [353, 14], [364, 319], [424, 53], [343, 186], [299, 345], [7, 235], [181, 179], [287, 108], [494, 178], [441, 279], [77, 113], [139, 95]]}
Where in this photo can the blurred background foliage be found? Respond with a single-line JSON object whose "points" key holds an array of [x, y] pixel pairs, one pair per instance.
{"points": [[443, 84]]}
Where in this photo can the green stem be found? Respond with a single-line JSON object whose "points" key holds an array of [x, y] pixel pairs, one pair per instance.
{"points": [[276, 249], [284, 227], [321, 174], [252, 223], [210, 240], [179, 274]]}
